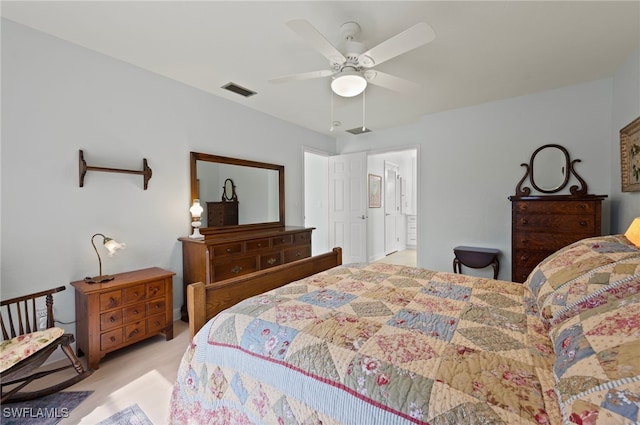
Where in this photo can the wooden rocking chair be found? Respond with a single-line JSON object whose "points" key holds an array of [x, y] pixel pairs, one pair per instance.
{"points": [[25, 348]]}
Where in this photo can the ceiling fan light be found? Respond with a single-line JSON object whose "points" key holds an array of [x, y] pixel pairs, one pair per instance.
{"points": [[348, 84]]}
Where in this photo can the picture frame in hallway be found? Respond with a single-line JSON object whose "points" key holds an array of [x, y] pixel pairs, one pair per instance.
{"points": [[630, 156], [375, 191]]}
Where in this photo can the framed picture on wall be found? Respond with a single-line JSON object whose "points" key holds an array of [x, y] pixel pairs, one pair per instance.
{"points": [[375, 191], [630, 156]]}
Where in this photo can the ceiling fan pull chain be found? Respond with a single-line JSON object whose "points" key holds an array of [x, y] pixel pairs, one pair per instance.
{"points": [[363, 110], [332, 121]]}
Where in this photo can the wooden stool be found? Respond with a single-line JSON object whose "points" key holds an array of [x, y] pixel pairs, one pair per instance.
{"points": [[476, 258]]}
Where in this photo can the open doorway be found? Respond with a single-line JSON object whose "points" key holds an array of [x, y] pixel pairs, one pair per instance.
{"points": [[316, 207]]}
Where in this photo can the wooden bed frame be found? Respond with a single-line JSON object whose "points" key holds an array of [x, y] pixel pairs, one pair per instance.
{"points": [[205, 301]]}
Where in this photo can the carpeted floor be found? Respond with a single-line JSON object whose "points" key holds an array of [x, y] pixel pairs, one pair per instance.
{"points": [[48, 410]]}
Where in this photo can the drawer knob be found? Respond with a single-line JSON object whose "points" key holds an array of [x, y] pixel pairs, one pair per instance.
{"points": [[524, 241], [112, 319], [524, 221], [135, 312], [271, 261], [135, 294], [236, 269], [228, 250], [113, 301], [259, 245], [134, 332], [298, 254], [113, 339], [583, 223], [524, 258], [154, 291]]}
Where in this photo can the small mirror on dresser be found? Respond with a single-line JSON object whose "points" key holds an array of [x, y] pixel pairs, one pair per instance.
{"points": [[543, 223]]}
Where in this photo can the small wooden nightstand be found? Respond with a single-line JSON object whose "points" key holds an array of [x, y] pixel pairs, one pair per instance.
{"points": [[132, 307]]}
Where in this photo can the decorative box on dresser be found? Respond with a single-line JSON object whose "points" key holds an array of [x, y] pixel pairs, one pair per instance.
{"points": [[130, 308], [543, 224], [226, 254]]}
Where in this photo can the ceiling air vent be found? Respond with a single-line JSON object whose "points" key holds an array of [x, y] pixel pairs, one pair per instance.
{"points": [[238, 89], [358, 130]]}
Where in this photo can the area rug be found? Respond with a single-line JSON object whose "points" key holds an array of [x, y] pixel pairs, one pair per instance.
{"points": [[132, 415], [48, 410]]}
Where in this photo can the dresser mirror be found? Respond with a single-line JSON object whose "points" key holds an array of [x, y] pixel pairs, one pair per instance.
{"points": [[258, 186], [549, 170]]}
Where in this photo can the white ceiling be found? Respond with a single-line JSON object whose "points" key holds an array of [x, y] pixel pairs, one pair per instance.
{"points": [[483, 51]]}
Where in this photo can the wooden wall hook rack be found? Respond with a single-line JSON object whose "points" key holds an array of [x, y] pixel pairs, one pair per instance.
{"points": [[146, 171]]}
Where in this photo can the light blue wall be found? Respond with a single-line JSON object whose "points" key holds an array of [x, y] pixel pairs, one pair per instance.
{"points": [[470, 158], [58, 98]]}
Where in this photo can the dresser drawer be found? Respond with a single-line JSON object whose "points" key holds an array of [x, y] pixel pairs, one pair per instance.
{"points": [[110, 319], [110, 339], [555, 207], [257, 244], [111, 299], [134, 294], [539, 241], [270, 260], [282, 240], [302, 238], [227, 249], [555, 223], [297, 253], [233, 268]]}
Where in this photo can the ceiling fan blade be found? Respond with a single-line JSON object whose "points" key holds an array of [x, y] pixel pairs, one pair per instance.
{"points": [[409, 39], [302, 76], [308, 32], [391, 82]]}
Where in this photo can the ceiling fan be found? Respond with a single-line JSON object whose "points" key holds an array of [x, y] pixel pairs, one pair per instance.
{"points": [[352, 70]]}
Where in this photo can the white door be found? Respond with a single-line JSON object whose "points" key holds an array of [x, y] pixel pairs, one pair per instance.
{"points": [[348, 206], [391, 207]]}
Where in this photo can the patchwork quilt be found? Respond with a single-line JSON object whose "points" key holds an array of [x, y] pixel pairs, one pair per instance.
{"points": [[373, 344], [385, 344]]}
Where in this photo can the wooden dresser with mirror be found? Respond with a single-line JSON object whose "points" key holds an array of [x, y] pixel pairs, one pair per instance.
{"points": [[542, 224], [258, 241]]}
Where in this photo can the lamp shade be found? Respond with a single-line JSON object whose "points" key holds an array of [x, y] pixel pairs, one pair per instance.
{"points": [[633, 232], [112, 246], [196, 209], [348, 84]]}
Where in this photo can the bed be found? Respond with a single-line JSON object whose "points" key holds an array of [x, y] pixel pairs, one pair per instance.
{"points": [[388, 344]]}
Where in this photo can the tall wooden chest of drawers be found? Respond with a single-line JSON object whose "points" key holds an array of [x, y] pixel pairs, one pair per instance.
{"points": [[231, 254], [541, 225], [134, 306]]}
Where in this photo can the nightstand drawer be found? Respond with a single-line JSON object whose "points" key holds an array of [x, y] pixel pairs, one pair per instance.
{"points": [[109, 300], [133, 313], [111, 339], [135, 330], [155, 289], [110, 320], [155, 307], [156, 323], [134, 294]]}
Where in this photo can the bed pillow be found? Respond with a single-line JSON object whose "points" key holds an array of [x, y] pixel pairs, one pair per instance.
{"points": [[551, 279], [633, 232], [597, 368]]}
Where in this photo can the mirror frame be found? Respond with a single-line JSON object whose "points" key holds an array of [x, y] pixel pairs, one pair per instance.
{"points": [[198, 156], [570, 169]]}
